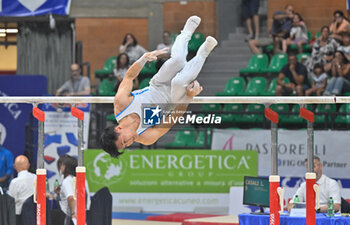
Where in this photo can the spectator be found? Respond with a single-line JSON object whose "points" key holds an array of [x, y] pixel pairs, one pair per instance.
{"points": [[131, 48], [322, 51], [340, 75], [165, 44], [6, 165], [345, 47], [250, 9], [77, 85], [319, 81], [297, 35], [254, 44], [297, 75], [121, 67], [339, 26], [282, 23], [327, 186], [21, 187], [67, 205]]}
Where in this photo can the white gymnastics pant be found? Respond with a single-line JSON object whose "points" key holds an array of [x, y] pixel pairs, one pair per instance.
{"points": [[176, 73]]}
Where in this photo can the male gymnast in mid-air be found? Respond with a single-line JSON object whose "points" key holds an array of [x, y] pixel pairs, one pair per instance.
{"points": [[173, 84]]}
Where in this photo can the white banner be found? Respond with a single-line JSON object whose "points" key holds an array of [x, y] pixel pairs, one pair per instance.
{"points": [[331, 146], [169, 202], [61, 136]]}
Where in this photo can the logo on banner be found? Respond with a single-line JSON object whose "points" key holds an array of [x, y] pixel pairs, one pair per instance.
{"points": [[107, 170], [152, 115], [32, 5]]}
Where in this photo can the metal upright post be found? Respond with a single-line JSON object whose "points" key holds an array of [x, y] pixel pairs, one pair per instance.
{"points": [[40, 190], [80, 170], [276, 192], [312, 190]]}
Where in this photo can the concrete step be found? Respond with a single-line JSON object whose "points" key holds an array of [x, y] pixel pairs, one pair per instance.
{"points": [[228, 58], [235, 50]]}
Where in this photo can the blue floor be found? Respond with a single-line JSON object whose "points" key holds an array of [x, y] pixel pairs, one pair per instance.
{"points": [[132, 216]]}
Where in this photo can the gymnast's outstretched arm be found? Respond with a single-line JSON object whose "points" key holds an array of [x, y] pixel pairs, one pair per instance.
{"points": [[122, 98]]}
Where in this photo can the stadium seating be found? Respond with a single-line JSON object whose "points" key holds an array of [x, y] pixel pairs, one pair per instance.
{"points": [[230, 118], [251, 114], [306, 47], [196, 41], [271, 91], [183, 138], [343, 119], [277, 63], [106, 87], [144, 83], [200, 140], [281, 108], [296, 118], [107, 68], [234, 87], [303, 56], [257, 64], [320, 111], [256, 86], [149, 69]]}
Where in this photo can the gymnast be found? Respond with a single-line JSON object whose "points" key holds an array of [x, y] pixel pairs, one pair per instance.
{"points": [[173, 84]]}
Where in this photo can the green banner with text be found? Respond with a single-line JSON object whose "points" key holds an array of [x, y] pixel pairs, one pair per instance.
{"points": [[170, 171]]}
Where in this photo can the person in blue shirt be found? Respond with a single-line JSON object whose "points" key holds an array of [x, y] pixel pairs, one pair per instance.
{"points": [[6, 166]]}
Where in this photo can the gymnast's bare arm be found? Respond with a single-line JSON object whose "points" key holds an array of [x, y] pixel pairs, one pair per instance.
{"points": [[152, 134], [123, 97]]}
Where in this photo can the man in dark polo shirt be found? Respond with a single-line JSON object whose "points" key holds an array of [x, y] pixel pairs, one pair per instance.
{"points": [[297, 75]]}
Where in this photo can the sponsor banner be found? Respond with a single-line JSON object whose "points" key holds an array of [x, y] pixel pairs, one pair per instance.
{"points": [[169, 180], [169, 171], [13, 116], [170, 202], [34, 7], [330, 146], [61, 135]]}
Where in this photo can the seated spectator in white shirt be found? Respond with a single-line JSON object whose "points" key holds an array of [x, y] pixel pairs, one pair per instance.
{"points": [[327, 186], [22, 187], [78, 85], [131, 47], [66, 166]]}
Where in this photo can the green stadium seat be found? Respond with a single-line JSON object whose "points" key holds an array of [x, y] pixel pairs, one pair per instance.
{"points": [[269, 48], [107, 68], [196, 41], [211, 107], [294, 119], [256, 86], [324, 108], [277, 63], [343, 119], [318, 34], [251, 114], [229, 118], [234, 86], [183, 138], [257, 64], [294, 47], [149, 68], [308, 47], [303, 56], [144, 83], [271, 91], [106, 87], [200, 140], [111, 117], [281, 108]]}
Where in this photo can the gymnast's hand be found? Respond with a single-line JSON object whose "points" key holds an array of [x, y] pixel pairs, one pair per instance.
{"points": [[193, 89], [152, 56]]}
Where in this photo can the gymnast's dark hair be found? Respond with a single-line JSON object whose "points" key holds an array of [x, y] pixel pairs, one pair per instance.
{"points": [[70, 164], [107, 141]]}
